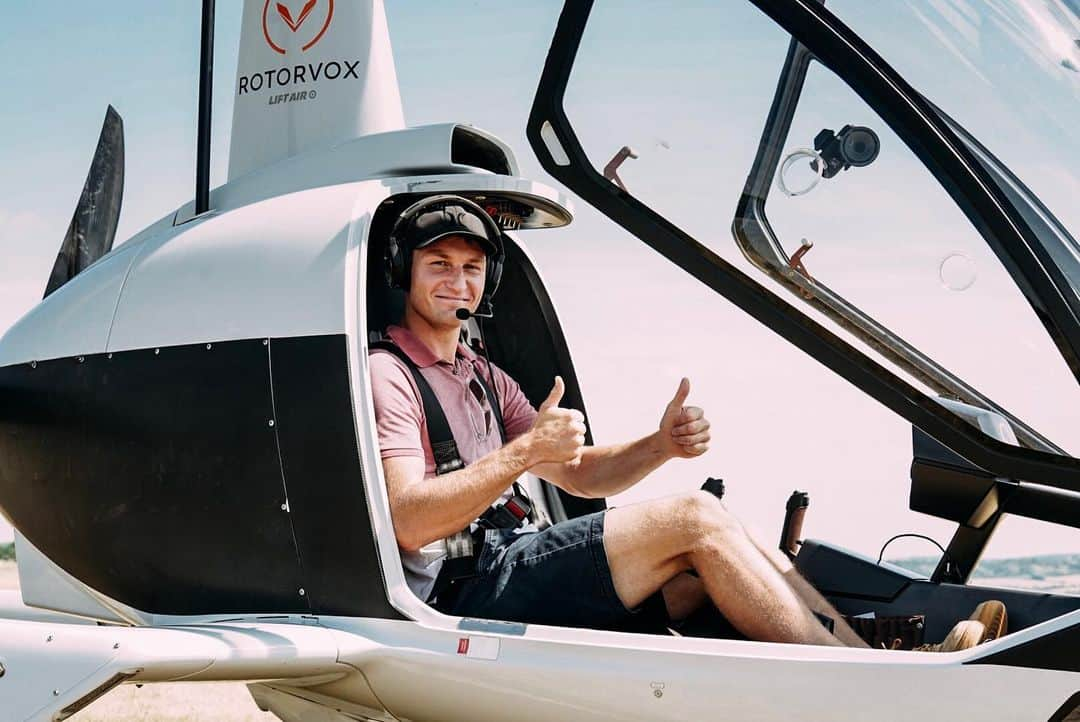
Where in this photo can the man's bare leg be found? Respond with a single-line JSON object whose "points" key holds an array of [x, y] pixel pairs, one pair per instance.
{"points": [[684, 594], [649, 544], [810, 596]]}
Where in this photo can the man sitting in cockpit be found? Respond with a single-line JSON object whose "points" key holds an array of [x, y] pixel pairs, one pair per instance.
{"points": [[461, 519]]}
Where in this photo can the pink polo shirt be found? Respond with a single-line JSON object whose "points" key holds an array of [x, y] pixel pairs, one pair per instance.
{"points": [[399, 412], [402, 427]]}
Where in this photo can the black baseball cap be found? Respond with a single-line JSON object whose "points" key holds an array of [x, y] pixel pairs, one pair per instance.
{"points": [[450, 220]]}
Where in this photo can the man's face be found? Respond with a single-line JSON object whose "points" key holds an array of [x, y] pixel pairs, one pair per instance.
{"points": [[446, 276]]}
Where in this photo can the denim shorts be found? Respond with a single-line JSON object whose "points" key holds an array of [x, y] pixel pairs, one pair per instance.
{"points": [[558, 576]]}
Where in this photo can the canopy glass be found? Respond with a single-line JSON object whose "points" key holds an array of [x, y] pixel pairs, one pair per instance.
{"points": [[718, 114]]}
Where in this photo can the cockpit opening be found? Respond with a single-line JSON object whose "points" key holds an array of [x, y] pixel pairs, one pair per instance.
{"points": [[880, 600]]}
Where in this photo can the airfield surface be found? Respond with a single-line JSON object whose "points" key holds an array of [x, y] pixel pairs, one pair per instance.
{"points": [[193, 702]]}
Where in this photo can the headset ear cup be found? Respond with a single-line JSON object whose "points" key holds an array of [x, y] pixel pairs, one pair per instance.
{"points": [[494, 274], [404, 266], [388, 265], [394, 264], [496, 260]]}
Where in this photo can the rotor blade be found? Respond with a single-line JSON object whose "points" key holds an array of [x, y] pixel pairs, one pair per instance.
{"points": [[93, 227]]}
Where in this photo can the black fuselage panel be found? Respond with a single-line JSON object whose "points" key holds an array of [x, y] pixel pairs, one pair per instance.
{"points": [[162, 477]]}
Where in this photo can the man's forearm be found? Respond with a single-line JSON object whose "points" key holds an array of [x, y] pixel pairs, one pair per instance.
{"points": [[607, 470], [429, 510]]}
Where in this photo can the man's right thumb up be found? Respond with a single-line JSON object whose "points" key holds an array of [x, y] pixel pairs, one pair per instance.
{"points": [[555, 396]]}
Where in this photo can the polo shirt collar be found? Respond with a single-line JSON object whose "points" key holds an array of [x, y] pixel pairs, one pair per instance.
{"points": [[418, 351]]}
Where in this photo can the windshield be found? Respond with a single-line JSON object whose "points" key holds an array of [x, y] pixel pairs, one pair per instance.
{"points": [[1011, 93], [852, 221], [1013, 82], [1059, 244]]}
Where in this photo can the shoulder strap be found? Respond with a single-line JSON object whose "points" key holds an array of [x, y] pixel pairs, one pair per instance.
{"points": [[493, 401], [443, 446]]}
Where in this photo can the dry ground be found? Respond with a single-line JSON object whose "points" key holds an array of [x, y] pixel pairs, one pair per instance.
{"points": [[192, 702]]}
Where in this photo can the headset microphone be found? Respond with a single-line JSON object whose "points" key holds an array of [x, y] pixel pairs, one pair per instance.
{"points": [[484, 311], [465, 314]]}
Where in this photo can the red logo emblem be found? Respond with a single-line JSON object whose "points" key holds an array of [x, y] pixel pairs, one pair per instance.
{"points": [[284, 22]]}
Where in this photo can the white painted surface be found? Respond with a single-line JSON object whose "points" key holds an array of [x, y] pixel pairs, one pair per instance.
{"points": [[267, 262], [310, 80], [424, 150], [378, 503], [49, 666], [554, 673], [547, 673], [300, 705], [551, 141], [273, 268], [990, 423], [13, 609], [73, 320]]}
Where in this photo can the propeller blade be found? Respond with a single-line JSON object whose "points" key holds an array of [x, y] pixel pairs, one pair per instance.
{"points": [[93, 227]]}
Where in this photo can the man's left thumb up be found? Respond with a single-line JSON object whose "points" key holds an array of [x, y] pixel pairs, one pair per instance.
{"points": [[680, 395]]}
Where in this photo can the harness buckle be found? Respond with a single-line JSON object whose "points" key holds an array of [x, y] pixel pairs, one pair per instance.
{"points": [[511, 514]]}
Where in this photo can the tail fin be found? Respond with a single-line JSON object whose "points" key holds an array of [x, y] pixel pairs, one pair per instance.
{"points": [[310, 73]]}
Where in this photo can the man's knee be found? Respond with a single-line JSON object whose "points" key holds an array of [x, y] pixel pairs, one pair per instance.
{"points": [[705, 521], [705, 511], [679, 525]]}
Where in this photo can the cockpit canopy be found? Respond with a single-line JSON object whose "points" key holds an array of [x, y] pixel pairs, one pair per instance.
{"points": [[900, 203]]}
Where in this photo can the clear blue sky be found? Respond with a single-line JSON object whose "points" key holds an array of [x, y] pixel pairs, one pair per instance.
{"points": [[688, 90]]}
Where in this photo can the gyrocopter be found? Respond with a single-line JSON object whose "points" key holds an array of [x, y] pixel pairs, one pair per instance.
{"points": [[199, 398]]}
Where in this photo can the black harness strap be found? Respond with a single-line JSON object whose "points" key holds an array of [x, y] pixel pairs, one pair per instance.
{"points": [[443, 446]]}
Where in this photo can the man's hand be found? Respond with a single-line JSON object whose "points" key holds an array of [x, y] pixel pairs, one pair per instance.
{"points": [[557, 435], [684, 430]]}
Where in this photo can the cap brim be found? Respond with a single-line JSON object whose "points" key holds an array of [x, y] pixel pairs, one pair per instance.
{"points": [[489, 247]]}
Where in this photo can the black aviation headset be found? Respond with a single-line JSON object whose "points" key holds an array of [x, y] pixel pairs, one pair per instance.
{"points": [[400, 246]]}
